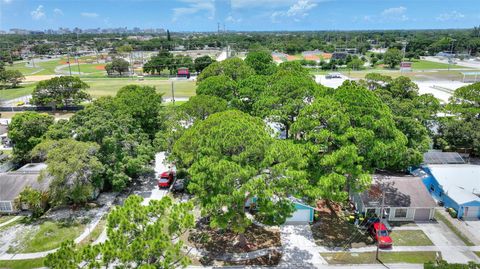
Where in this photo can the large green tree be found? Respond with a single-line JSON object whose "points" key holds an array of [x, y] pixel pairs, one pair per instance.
{"points": [[461, 130], [11, 78], [392, 57], [26, 131], [261, 62], [286, 95], [74, 169], [60, 91], [231, 158], [138, 237], [202, 62], [118, 65], [234, 68]]}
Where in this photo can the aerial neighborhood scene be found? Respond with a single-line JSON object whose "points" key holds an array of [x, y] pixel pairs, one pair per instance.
{"points": [[240, 134]]}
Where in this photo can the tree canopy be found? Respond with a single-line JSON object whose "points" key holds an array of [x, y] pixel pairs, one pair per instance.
{"points": [[26, 131], [60, 91], [74, 167], [138, 236]]}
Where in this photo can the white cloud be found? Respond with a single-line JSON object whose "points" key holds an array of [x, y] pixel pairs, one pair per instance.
{"points": [[297, 10], [193, 7], [301, 8], [89, 14], [7, 1], [451, 16], [233, 19], [58, 11], [395, 14], [38, 13]]}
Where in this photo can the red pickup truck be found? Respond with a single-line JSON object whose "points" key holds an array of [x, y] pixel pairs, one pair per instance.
{"points": [[380, 233], [166, 179]]}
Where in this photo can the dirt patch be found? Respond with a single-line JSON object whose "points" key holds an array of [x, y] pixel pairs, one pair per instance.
{"points": [[218, 242], [38, 78], [336, 232]]}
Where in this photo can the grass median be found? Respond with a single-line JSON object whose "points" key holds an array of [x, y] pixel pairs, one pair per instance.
{"points": [[22, 264], [384, 257]]}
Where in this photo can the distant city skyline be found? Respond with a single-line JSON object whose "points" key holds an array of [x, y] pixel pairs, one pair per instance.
{"points": [[239, 15]]}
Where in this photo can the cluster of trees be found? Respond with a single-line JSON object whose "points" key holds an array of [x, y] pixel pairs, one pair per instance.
{"points": [[9, 78], [61, 91], [167, 61], [334, 139], [460, 129], [138, 237], [110, 142], [118, 65]]}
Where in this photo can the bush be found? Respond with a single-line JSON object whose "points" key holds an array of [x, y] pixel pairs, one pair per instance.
{"points": [[452, 212]]}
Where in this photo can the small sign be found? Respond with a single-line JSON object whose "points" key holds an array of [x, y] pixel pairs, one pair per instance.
{"points": [[406, 66]]}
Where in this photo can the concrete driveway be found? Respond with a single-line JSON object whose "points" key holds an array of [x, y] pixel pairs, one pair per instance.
{"points": [[452, 248], [154, 192], [299, 248]]}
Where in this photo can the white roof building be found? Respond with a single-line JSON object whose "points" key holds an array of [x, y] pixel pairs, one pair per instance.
{"points": [[461, 182]]}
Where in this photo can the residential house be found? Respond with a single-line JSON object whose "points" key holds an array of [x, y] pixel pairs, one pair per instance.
{"points": [[405, 199]]}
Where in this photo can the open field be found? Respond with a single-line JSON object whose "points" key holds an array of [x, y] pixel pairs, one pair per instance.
{"points": [[424, 64], [384, 257], [410, 238], [23, 90], [48, 236], [22, 264], [110, 86]]}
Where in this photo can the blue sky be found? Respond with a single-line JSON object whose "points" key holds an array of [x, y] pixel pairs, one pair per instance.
{"points": [[251, 15]]}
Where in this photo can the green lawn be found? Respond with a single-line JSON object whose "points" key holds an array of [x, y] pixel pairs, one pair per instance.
{"points": [[423, 65], [8, 94], [110, 86], [23, 264], [477, 253], [440, 217], [410, 238], [48, 67], [87, 70], [49, 236], [384, 257]]}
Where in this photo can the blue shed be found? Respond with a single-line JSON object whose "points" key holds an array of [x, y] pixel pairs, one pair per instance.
{"points": [[456, 185]]}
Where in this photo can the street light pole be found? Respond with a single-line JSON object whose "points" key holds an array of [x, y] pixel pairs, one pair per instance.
{"points": [[68, 61], [173, 94], [451, 54], [381, 222]]}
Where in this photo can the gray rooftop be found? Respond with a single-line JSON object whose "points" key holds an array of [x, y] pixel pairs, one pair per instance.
{"points": [[400, 191], [439, 157], [13, 183]]}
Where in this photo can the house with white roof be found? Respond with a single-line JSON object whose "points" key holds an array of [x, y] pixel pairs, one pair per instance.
{"points": [[455, 185]]}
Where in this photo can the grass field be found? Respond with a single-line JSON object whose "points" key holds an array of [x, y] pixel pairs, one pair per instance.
{"points": [[88, 70], [20, 220], [22, 264], [423, 65], [410, 238], [23, 90], [384, 257], [48, 236], [110, 86]]}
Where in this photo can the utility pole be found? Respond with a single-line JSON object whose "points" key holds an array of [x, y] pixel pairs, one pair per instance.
{"points": [[78, 65], [381, 221], [451, 54], [68, 61], [173, 94]]}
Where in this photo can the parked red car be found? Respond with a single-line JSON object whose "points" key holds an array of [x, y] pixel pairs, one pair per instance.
{"points": [[380, 233], [166, 179]]}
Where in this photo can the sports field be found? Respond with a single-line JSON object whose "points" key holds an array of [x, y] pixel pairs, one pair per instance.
{"points": [[109, 86]]}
